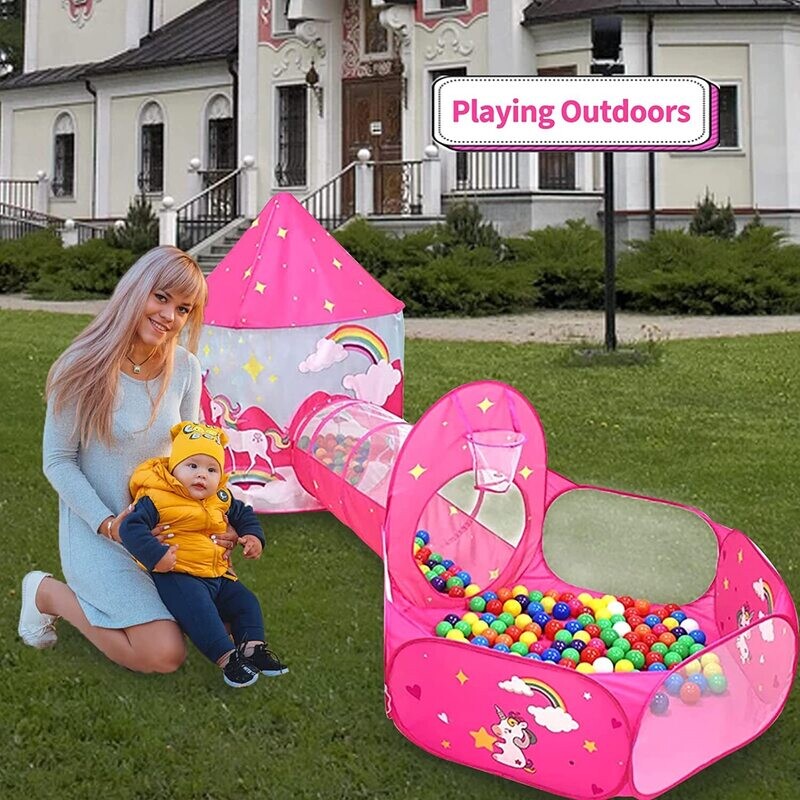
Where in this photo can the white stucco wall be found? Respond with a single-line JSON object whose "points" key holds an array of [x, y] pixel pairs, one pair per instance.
{"points": [[167, 10]]}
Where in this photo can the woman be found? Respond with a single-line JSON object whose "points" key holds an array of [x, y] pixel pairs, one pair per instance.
{"points": [[112, 398]]}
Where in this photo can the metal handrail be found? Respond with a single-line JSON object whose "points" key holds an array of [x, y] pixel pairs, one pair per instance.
{"points": [[209, 211], [333, 203], [211, 188], [21, 217]]}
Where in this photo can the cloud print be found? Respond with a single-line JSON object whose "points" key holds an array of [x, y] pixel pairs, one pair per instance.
{"points": [[516, 686], [758, 588], [326, 355], [374, 385], [556, 720], [767, 630]]}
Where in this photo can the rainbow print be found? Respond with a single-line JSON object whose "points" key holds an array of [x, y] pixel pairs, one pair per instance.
{"points": [[552, 696], [254, 476], [768, 596], [362, 340]]}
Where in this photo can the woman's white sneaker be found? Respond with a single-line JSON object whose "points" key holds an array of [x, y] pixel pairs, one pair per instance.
{"points": [[35, 629]]}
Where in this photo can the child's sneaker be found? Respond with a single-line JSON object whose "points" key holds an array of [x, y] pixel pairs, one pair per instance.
{"points": [[267, 662], [239, 671]]}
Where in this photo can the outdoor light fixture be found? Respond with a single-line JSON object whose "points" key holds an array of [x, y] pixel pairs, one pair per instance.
{"points": [[312, 83]]}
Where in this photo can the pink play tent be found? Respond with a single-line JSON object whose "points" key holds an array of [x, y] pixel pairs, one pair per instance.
{"points": [[470, 482], [290, 312]]}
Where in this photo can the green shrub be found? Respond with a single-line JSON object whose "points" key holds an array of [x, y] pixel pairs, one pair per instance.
{"points": [[21, 260], [140, 232], [463, 283], [88, 270], [712, 220], [464, 227]]}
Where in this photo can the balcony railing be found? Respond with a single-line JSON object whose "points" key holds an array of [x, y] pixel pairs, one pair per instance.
{"points": [[16, 222], [487, 171], [18, 192], [398, 187], [334, 202], [212, 209]]}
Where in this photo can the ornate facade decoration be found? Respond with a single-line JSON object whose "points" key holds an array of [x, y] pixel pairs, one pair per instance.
{"points": [[353, 65], [477, 8], [449, 39], [80, 11]]}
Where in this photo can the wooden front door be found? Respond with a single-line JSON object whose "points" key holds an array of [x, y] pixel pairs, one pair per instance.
{"points": [[372, 118]]}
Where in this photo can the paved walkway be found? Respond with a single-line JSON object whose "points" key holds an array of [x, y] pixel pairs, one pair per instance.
{"points": [[537, 326]]}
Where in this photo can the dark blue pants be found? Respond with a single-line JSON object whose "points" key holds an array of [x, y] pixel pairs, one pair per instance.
{"points": [[202, 606]]}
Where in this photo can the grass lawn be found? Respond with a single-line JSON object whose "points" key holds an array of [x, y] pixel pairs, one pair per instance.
{"points": [[715, 425]]}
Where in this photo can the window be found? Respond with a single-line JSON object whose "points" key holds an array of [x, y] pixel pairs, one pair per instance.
{"points": [[281, 25], [290, 169], [64, 157], [151, 150], [557, 168], [376, 37], [439, 6], [729, 116], [221, 137]]}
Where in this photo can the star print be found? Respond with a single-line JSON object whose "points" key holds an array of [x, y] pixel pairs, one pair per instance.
{"points": [[445, 744], [483, 739], [282, 233], [273, 378], [740, 556], [587, 695], [494, 573], [590, 747], [337, 263], [453, 510], [215, 370], [253, 367], [206, 351], [485, 404], [725, 584], [247, 273], [255, 223], [417, 471], [328, 306], [260, 287], [526, 472], [461, 677]]}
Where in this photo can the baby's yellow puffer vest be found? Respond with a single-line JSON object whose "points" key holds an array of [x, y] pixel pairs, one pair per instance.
{"points": [[192, 522]]}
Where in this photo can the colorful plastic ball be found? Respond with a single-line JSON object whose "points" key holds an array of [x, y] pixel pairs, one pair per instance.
{"points": [[539, 647], [464, 627], [477, 604], [479, 627], [672, 658], [487, 596], [577, 644], [554, 593], [480, 641], [472, 590], [548, 603], [466, 578], [551, 654], [615, 607], [512, 607], [429, 575], [498, 626], [455, 581], [667, 638], [624, 665], [424, 535], [456, 591], [614, 654], [534, 656], [621, 628], [712, 668], [575, 607], [534, 608], [513, 631], [520, 589], [534, 628], [678, 615], [528, 638], [552, 628], [488, 618], [437, 557], [593, 629], [696, 648], [563, 636], [447, 563], [572, 625], [686, 641], [439, 570], [455, 635], [626, 601], [494, 607], [636, 658], [617, 618], [572, 654], [506, 617], [565, 662], [561, 611], [640, 647], [717, 684], [560, 646], [678, 631], [659, 629], [631, 637], [689, 693], [659, 704], [519, 647], [623, 644], [597, 643], [505, 639], [590, 654], [504, 593], [709, 658], [582, 636], [690, 625], [602, 613], [501, 648], [656, 666], [693, 667], [670, 622], [522, 621], [634, 620], [523, 600], [584, 619], [602, 623], [443, 628], [653, 658], [452, 618], [701, 681], [585, 669], [603, 665], [439, 584], [642, 607], [652, 619], [535, 596], [698, 636], [673, 683]]}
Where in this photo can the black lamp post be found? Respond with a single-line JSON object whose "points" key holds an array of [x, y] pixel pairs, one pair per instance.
{"points": [[606, 35]]}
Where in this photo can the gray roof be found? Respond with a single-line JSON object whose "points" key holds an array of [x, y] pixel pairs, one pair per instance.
{"points": [[551, 10], [42, 77], [208, 32]]}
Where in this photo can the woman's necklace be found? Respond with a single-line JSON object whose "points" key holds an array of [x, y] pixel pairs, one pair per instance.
{"points": [[137, 368]]}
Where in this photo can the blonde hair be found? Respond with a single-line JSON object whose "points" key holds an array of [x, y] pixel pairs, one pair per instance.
{"points": [[87, 372]]}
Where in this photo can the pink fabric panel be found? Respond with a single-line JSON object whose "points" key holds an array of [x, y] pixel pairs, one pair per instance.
{"points": [[716, 725], [436, 451], [457, 701], [287, 253]]}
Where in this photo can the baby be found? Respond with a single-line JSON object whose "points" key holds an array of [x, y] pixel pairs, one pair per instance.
{"points": [[197, 584]]}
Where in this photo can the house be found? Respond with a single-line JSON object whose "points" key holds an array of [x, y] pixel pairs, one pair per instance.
{"points": [[172, 97]]}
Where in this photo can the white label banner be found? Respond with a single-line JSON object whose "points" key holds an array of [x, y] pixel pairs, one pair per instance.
{"points": [[575, 113]]}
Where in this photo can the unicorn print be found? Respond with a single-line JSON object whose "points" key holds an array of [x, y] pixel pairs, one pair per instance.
{"points": [[514, 738], [744, 616]]}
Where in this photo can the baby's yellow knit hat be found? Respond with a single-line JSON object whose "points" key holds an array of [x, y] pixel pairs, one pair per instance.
{"points": [[193, 438]]}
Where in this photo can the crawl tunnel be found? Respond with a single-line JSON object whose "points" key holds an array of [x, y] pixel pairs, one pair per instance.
{"points": [[549, 633]]}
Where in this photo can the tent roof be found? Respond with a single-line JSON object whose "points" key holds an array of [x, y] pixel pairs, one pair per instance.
{"points": [[287, 271]]}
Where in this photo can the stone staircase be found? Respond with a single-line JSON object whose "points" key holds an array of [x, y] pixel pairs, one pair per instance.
{"points": [[210, 252]]}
